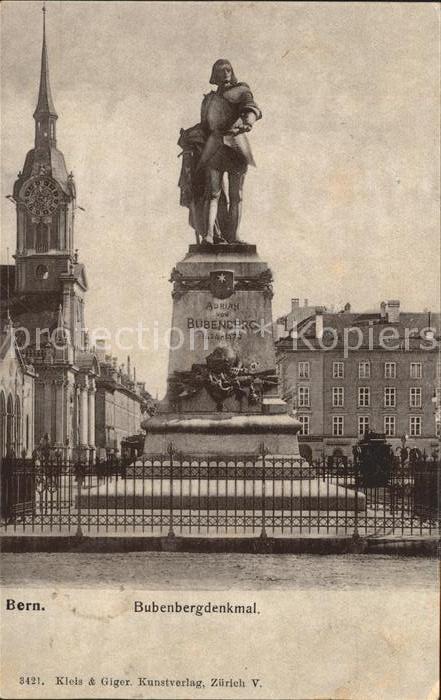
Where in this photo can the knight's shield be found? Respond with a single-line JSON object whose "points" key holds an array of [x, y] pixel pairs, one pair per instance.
{"points": [[222, 283]]}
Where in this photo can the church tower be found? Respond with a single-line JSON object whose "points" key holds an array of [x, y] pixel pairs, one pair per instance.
{"points": [[50, 285], [44, 193]]}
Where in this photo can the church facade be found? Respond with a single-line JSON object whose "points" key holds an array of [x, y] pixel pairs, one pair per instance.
{"points": [[17, 398]]}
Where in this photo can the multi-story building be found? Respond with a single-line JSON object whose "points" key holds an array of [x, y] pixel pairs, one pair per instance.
{"points": [[120, 404], [344, 373]]}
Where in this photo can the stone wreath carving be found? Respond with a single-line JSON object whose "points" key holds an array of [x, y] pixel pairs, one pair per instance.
{"points": [[223, 375], [183, 284]]}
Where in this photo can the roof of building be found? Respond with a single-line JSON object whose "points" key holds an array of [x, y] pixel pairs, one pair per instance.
{"points": [[55, 165], [368, 326]]}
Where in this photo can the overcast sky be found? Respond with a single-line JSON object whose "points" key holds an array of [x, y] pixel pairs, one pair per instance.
{"points": [[344, 202]]}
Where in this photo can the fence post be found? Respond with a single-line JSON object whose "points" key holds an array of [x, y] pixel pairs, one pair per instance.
{"points": [[79, 474], [263, 534], [171, 533], [355, 535]]}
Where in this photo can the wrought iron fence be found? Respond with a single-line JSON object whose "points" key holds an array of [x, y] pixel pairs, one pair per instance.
{"points": [[192, 495]]}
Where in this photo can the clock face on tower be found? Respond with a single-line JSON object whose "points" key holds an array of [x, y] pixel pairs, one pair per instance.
{"points": [[41, 196]]}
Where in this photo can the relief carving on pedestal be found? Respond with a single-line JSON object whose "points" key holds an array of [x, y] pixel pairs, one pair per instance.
{"points": [[223, 375]]}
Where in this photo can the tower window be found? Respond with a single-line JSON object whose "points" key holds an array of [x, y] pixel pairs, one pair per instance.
{"points": [[41, 246], [41, 273]]}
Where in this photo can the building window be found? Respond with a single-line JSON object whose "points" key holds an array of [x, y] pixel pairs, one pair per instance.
{"points": [[305, 421], [390, 397], [303, 396], [364, 369], [415, 426], [363, 425], [338, 370], [338, 425], [416, 370], [438, 429], [303, 370], [415, 397], [389, 426], [364, 396], [390, 370], [338, 396]]}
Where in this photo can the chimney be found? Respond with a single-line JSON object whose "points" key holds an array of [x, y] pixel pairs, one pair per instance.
{"points": [[393, 310], [383, 309], [319, 323], [295, 303], [128, 365], [306, 303]]}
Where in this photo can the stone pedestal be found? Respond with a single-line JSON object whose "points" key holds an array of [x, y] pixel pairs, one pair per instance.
{"points": [[222, 395]]}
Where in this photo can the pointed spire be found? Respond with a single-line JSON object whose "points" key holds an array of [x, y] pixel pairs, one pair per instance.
{"points": [[45, 104]]}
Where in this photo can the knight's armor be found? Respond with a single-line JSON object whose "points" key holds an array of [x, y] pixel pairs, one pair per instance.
{"points": [[220, 112]]}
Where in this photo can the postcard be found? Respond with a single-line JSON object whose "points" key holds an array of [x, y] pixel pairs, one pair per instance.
{"points": [[220, 373]]}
